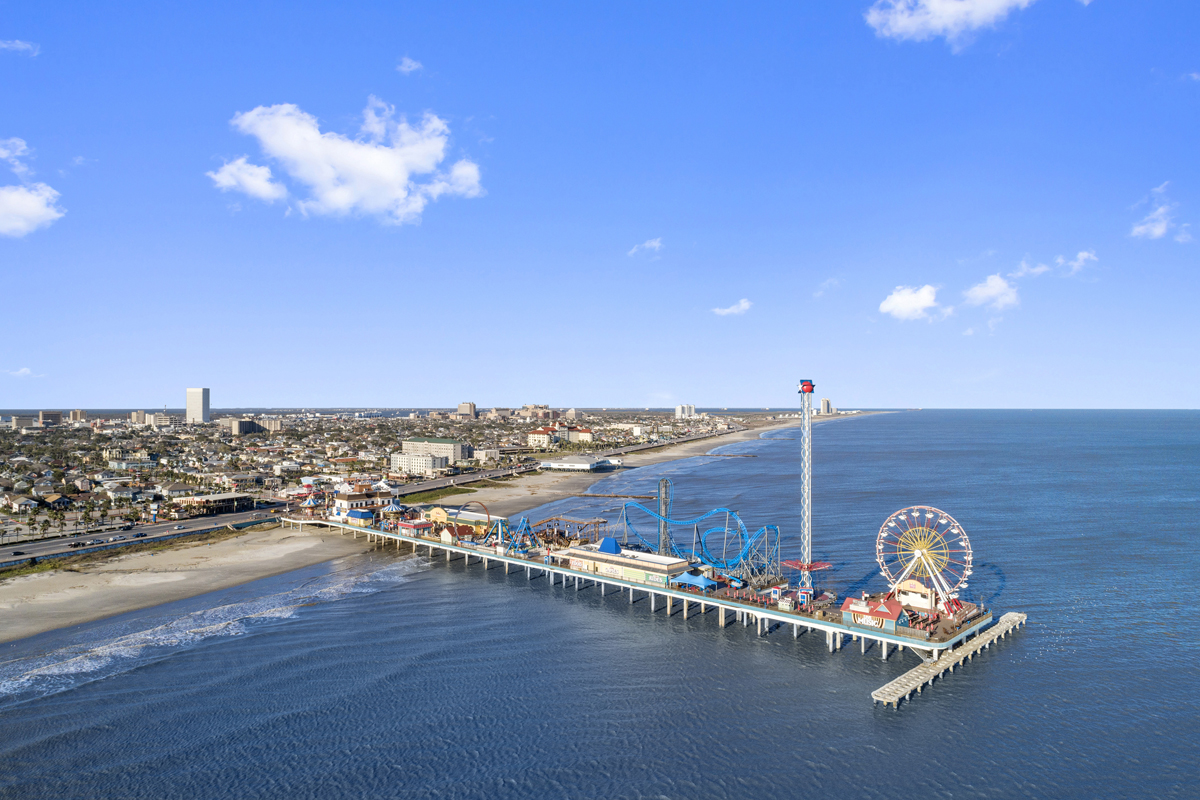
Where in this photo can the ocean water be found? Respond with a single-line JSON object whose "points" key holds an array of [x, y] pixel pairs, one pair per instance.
{"points": [[376, 676]]}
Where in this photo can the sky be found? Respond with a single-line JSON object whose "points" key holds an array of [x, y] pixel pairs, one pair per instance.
{"points": [[914, 203]]}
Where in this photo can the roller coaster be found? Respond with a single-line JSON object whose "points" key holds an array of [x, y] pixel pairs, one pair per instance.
{"points": [[730, 548], [516, 540]]}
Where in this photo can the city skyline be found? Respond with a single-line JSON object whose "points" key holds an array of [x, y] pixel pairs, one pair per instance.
{"points": [[967, 205]]}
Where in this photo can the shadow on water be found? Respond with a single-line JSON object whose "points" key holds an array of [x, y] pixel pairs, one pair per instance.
{"points": [[860, 585], [989, 582]]}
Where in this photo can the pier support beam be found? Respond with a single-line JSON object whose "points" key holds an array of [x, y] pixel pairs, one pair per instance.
{"points": [[651, 602], [795, 630], [883, 651], [630, 595], [721, 616], [685, 608]]}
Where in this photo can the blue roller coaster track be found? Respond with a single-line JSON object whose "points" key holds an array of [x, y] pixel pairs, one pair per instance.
{"points": [[516, 540], [729, 548]]}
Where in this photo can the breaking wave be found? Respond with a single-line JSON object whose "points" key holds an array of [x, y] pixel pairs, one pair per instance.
{"points": [[109, 653]]}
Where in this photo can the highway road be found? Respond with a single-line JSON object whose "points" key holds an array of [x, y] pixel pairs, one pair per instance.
{"points": [[46, 547], [462, 480]]}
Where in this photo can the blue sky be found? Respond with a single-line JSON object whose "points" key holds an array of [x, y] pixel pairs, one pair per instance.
{"points": [[937, 203]]}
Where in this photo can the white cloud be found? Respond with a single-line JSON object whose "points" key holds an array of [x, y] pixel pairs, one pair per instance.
{"points": [[25, 208], [24, 372], [995, 291], [16, 45], [969, 332], [924, 19], [649, 244], [248, 178], [11, 150], [740, 307], [1155, 224], [409, 66], [373, 174], [1079, 262], [911, 302], [1161, 219], [1025, 268], [829, 283], [1194, 76]]}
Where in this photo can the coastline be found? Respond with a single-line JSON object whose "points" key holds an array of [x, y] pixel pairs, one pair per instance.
{"points": [[33, 604], [45, 601]]}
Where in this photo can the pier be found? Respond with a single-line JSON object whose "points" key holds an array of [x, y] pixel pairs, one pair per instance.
{"points": [[938, 655], [916, 679]]}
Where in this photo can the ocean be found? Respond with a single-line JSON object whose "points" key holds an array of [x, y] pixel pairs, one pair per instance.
{"points": [[379, 676]]}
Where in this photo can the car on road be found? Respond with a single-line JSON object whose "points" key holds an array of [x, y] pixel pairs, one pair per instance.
{"points": [[18, 552], [139, 535], [178, 527]]}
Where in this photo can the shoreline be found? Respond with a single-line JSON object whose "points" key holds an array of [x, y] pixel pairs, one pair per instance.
{"points": [[64, 598], [537, 490]]}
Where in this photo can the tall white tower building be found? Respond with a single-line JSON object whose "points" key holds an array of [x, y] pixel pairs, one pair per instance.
{"points": [[197, 405]]}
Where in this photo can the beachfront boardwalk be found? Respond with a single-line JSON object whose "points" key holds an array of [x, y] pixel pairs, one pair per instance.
{"points": [[917, 678]]}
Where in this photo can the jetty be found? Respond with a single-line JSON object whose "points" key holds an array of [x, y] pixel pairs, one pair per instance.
{"points": [[916, 679]]}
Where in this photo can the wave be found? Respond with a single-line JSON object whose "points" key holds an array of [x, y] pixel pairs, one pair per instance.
{"points": [[108, 653]]}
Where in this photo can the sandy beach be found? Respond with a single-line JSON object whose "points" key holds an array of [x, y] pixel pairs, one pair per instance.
{"points": [[32, 604], [46, 601], [535, 490]]}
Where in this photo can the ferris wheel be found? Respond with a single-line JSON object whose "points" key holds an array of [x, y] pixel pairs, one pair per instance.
{"points": [[927, 545]]}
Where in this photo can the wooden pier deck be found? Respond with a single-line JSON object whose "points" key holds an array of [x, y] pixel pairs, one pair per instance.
{"points": [[917, 678]]}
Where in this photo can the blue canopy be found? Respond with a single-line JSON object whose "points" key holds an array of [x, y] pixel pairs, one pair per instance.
{"points": [[355, 513], [699, 581], [609, 545], [309, 503]]}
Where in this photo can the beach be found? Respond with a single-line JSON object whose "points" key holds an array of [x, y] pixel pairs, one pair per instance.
{"points": [[33, 604]]}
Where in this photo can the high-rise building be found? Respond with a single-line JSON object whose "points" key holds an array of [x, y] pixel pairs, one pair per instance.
{"points": [[467, 408], [138, 417], [685, 412], [79, 415], [197, 406], [826, 406], [48, 418]]}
